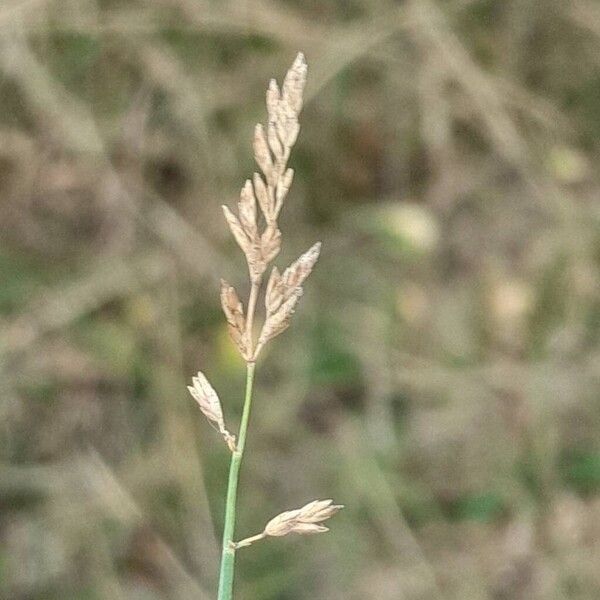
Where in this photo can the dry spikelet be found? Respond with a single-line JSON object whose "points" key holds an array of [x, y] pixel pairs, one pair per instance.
{"points": [[209, 403], [305, 520], [264, 198], [286, 124], [295, 275], [262, 154], [237, 230], [234, 313], [294, 82], [274, 293], [273, 97], [247, 211], [278, 321], [274, 142], [283, 187], [282, 288], [283, 293], [270, 243], [245, 231]]}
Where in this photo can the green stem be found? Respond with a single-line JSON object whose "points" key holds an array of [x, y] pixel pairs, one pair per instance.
{"points": [[228, 557]]}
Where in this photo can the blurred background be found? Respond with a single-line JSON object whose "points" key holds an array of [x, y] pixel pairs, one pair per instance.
{"points": [[441, 376]]}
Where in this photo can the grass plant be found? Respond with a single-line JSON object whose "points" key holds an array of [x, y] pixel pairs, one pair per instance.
{"points": [[272, 148]]}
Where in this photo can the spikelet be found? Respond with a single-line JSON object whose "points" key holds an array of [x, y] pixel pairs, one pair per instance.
{"points": [[245, 231], [305, 520], [278, 321], [295, 275], [294, 82], [262, 154], [234, 313], [283, 293], [274, 293], [237, 230], [270, 242], [264, 199], [273, 96], [281, 288], [247, 211], [209, 403], [275, 143], [283, 187]]}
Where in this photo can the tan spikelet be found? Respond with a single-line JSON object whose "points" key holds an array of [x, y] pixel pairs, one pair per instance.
{"points": [[295, 275], [305, 520], [245, 232], [262, 154], [234, 313], [275, 143], [274, 293], [237, 230], [270, 244], [208, 401], [283, 187], [247, 211], [294, 82], [281, 288], [264, 199], [278, 321], [287, 125], [273, 97]]}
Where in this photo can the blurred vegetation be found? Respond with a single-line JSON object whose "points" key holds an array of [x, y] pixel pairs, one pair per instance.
{"points": [[441, 377]]}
